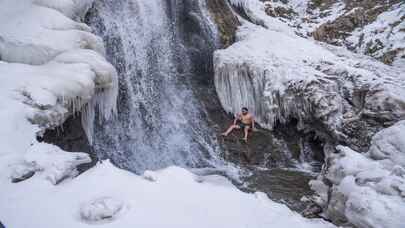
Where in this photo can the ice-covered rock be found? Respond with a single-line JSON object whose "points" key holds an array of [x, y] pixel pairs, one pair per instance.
{"points": [[101, 209], [282, 77], [390, 144], [367, 190]]}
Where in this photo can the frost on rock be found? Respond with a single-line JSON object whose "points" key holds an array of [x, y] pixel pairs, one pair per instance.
{"points": [[367, 190], [282, 77], [49, 161], [101, 209]]}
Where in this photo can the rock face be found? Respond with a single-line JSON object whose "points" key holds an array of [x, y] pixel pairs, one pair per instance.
{"points": [[225, 20]]}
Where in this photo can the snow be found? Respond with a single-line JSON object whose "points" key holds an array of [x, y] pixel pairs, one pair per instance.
{"points": [[104, 208], [38, 33], [115, 198], [369, 189]]}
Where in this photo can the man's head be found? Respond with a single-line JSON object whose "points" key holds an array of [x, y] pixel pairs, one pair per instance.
{"points": [[244, 111]]}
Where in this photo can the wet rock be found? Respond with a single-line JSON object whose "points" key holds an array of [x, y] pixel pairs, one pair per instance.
{"points": [[226, 21], [312, 211]]}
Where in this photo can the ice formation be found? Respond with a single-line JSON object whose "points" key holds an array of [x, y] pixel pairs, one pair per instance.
{"points": [[367, 190], [51, 67]]}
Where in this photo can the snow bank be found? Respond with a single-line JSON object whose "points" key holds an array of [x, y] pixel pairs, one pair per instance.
{"points": [[33, 34], [367, 190], [117, 198]]}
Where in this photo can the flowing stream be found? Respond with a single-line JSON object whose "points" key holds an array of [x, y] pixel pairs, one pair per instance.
{"points": [[160, 121]]}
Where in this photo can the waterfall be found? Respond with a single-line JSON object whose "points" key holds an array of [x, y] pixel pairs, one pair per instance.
{"points": [[160, 121]]}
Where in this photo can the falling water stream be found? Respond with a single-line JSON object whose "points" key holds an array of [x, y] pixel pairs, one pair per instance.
{"points": [[160, 121]]}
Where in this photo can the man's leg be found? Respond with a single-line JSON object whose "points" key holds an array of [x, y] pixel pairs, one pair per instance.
{"points": [[230, 129], [246, 130]]}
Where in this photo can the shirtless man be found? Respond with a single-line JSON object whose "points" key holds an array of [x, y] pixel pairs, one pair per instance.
{"points": [[243, 121]]}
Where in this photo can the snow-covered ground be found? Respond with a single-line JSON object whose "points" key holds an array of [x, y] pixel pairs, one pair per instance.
{"points": [[51, 67], [110, 197]]}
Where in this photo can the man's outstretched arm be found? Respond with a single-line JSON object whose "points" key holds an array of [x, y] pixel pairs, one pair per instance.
{"points": [[235, 120]]}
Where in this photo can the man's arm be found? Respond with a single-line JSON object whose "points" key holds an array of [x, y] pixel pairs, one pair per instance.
{"points": [[235, 120]]}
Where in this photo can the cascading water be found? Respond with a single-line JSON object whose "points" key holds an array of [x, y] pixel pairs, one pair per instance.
{"points": [[160, 122]]}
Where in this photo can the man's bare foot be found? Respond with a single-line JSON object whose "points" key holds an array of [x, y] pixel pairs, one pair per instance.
{"points": [[224, 134], [245, 139]]}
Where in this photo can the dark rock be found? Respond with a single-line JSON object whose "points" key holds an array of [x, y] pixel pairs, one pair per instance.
{"points": [[24, 177], [72, 138]]}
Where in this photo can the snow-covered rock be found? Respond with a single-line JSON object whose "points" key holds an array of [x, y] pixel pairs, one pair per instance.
{"points": [[371, 27], [51, 162], [367, 190]]}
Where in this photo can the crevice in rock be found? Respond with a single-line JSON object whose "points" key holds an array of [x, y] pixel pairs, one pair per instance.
{"points": [[71, 137]]}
